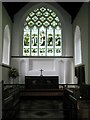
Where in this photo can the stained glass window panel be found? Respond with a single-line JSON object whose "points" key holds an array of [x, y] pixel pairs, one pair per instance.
{"points": [[53, 14], [42, 41], [38, 24], [50, 51], [50, 44], [50, 19], [50, 36], [31, 23], [43, 9], [35, 18], [46, 14], [34, 51], [31, 14], [28, 19], [57, 19], [34, 41], [26, 38], [26, 51], [36, 10], [58, 51], [58, 44], [26, 41], [38, 13], [54, 24], [46, 23], [42, 33], [49, 10], [42, 19]]}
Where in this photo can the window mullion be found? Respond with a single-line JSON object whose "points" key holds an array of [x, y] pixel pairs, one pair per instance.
{"points": [[30, 41], [53, 41], [46, 42], [38, 42]]}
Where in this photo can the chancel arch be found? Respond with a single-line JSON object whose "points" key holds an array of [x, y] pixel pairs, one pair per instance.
{"points": [[21, 20]]}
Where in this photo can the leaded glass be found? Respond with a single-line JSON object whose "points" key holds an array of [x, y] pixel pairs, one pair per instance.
{"points": [[54, 23], [39, 13], [42, 19], [42, 40], [34, 51], [42, 33], [39, 23], [25, 24], [28, 19], [46, 23], [58, 52], [34, 42], [31, 14], [35, 18], [36, 10], [26, 38], [26, 51], [50, 19], [42, 51], [49, 10], [49, 51], [31, 23], [26, 28], [42, 9], [57, 19], [50, 36], [58, 41], [53, 14], [50, 41], [46, 14]]}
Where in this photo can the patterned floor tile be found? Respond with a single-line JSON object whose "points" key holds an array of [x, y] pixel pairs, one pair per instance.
{"points": [[40, 109]]}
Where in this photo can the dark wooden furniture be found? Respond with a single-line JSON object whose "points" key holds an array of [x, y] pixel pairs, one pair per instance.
{"points": [[70, 104], [41, 82], [80, 74], [85, 91], [41, 86], [10, 105], [75, 105]]}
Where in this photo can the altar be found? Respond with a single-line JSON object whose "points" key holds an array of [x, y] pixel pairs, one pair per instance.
{"points": [[42, 86], [41, 82]]}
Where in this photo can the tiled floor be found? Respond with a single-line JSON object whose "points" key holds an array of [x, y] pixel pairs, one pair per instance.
{"points": [[41, 109]]}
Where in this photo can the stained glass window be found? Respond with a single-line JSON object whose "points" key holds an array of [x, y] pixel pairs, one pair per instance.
{"points": [[42, 33]]}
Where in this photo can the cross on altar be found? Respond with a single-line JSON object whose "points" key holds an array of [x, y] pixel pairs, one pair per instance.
{"points": [[41, 72]]}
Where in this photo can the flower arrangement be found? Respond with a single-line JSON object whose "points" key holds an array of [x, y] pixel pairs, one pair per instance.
{"points": [[13, 73]]}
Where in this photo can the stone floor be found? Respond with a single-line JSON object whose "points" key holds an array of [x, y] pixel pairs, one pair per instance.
{"points": [[41, 109]]}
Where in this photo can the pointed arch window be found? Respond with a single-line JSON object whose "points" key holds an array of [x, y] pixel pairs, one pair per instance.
{"points": [[6, 46], [77, 47], [42, 34]]}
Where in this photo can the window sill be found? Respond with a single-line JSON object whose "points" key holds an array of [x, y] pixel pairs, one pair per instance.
{"points": [[41, 56], [5, 65]]}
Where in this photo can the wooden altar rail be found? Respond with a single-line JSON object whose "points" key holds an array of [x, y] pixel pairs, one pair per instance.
{"points": [[24, 92], [41, 92]]}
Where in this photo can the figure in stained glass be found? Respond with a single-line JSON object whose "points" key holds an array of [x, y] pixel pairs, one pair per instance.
{"points": [[42, 38], [34, 39], [57, 39], [50, 39], [26, 39]]}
